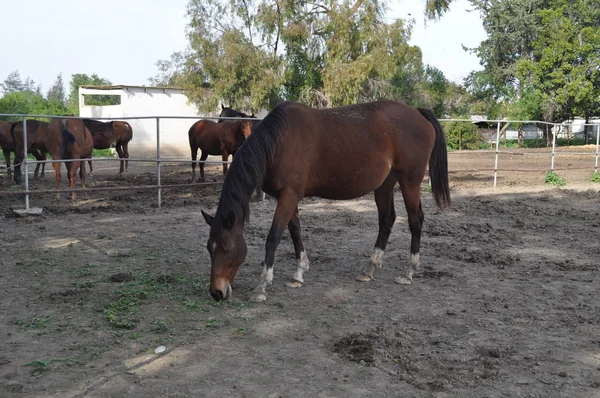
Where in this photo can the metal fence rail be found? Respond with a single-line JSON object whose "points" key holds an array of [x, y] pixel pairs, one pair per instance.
{"points": [[160, 162]]}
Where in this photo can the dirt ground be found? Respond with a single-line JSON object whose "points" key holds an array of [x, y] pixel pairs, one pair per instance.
{"points": [[505, 304]]}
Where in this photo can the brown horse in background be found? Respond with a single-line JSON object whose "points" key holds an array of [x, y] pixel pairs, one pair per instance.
{"points": [[37, 133], [7, 144], [69, 139], [340, 154], [103, 135], [216, 139]]}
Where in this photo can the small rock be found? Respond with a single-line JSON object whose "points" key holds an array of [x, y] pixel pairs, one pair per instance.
{"points": [[160, 349], [563, 374]]}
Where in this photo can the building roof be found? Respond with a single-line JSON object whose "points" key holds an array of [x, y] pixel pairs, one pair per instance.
{"points": [[123, 87]]}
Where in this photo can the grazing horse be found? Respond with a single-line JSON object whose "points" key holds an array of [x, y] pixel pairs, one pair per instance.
{"points": [[340, 154], [103, 135], [69, 139], [216, 139], [37, 132], [7, 143], [123, 134]]}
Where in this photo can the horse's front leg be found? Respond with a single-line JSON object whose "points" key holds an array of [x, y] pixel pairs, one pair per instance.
{"points": [[225, 157], [287, 203]]}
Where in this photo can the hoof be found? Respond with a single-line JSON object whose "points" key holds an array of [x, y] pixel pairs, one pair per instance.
{"points": [[294, 284], [364, 278], [403, 280], [258, 297]]}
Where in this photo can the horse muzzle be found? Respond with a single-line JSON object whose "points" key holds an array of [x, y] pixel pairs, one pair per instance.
{"points": [[220, 290]]}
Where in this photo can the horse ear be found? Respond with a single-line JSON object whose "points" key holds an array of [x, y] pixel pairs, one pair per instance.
{"points": [[207, 217], [222, 107]]}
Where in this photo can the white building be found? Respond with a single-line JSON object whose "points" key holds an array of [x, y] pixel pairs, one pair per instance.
{"points": [[147, 101]]}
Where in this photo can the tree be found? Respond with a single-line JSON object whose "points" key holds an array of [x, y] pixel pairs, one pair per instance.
{"points": [[81, 79], [30, 102], [57, 91], [567, 67], [252, 54], [13, 83]]}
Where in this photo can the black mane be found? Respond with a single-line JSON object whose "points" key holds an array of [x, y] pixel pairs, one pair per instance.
{"points": [[249, 168], [96, 126]]}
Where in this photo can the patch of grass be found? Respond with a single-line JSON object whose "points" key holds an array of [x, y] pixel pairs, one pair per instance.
{"points": [[595, 177], [554, 179], [160, 326], [90, 283], [34, 322], [41, 367], [51, 262], [194, 305], [103, 153], [122, 312], [211, 323]]}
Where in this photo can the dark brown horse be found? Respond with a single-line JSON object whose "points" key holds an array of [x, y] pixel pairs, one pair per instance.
{"points": [[7, 144], [216, 139], [69, 139], [37, 132], [227, 111], [103, 134], [340, 153]]}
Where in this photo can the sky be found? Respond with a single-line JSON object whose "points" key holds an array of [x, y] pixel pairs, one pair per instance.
{"points": [[121, 40]]}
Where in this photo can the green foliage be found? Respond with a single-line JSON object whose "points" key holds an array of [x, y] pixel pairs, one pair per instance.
{"points": [[34, 322], [554, 179], [595, 177], [29, 102], [461, 135], [56, 93], [42, 367], [13, 84], [82, 79]]}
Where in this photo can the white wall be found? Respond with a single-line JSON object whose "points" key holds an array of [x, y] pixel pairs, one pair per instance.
{"points": [[150, 101]]}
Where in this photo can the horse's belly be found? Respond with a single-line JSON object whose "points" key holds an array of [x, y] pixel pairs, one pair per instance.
{"points": [[344, 183]]}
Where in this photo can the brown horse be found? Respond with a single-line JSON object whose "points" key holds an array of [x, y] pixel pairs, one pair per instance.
{"points": [[227, 111], [7, 144], [37, 132], [103, 134], [69, 139], [340, 153], [123, 134], [216, 139]]}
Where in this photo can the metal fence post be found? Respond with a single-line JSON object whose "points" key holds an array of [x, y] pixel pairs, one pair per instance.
{"points": [[497, 153], [597, 145], [554, 145], [25, 163], [158, 161]]}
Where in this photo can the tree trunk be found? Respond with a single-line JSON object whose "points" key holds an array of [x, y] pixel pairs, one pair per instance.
{"points": [[521, 139], [586, 134]]}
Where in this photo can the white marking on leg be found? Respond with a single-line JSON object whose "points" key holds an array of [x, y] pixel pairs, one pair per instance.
{"points": [[377, 257], [412, 266], [414, 260], [376, 262], [266, 278], [303, 266]]}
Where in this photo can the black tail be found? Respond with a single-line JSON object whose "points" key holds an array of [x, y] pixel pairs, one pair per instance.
{"points": [[67, 136], [438, 162]]}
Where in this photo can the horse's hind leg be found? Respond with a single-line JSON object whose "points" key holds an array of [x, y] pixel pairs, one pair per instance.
{"points": [[203, 158], [301, 257], [384, 199], [287, 203], [121, 154], [411, 191], [6, 154], [57, 177]]}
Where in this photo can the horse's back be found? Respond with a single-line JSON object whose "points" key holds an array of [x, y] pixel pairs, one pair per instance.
{"points": [[346, 152]]}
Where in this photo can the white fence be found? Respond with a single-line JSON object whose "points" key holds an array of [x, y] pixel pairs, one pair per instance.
{"points": [[159, 160]]}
